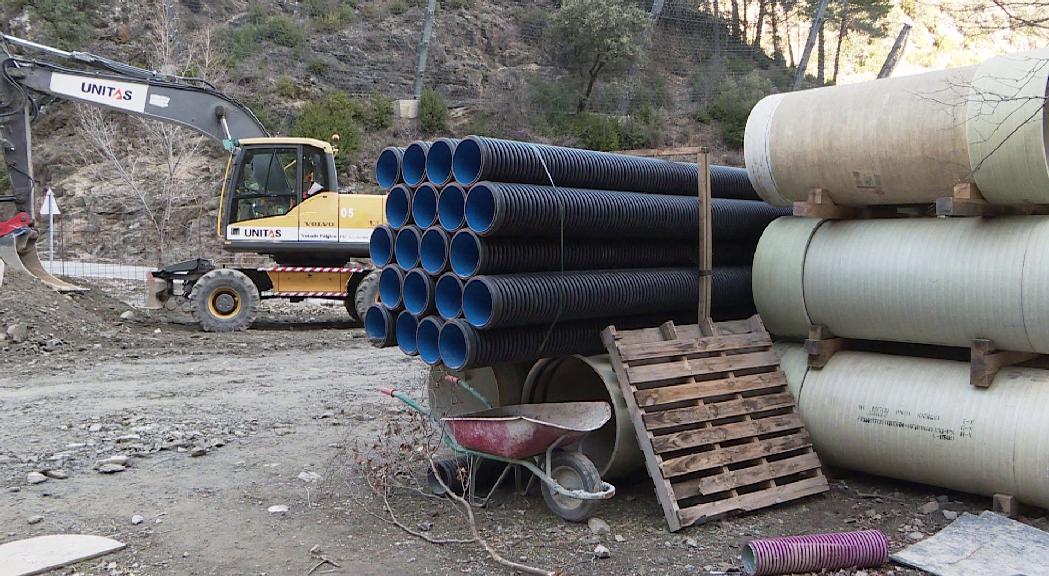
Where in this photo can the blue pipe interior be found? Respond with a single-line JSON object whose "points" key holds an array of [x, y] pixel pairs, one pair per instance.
{"points": [[424, 206], [390, 288], [477, 304], [450, 207], [398, 206], [406, 250], [416, 291], [433, 252], [439, 161], [375, 323], [464, 254], [466, 162], [480, 208], [406, 327], [414, 167], [387, 169], [448, 296], [427, 339], [380, 246], [454, 346]]}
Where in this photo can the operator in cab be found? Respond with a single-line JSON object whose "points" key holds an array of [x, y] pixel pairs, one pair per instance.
{"points": [[309, 184]]}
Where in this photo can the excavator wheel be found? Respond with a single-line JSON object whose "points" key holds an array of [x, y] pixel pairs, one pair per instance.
{"points": [[224, 300], [362, 295]]}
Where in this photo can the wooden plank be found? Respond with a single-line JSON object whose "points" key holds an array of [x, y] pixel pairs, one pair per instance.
{"points": [[706, 257], [651, 373], [754, 500], [699, 414], [713, 344], [747, 476], [985, 362], [663, 152], [710, 388], [734, 454], [735, 431], [684, 332]]}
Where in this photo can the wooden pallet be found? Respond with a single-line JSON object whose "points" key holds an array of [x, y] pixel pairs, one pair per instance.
{"points": [[968, 201], [720, 431]]}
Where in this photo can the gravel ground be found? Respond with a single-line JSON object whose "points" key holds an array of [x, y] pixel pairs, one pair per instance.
{"points": [[204, 433]]}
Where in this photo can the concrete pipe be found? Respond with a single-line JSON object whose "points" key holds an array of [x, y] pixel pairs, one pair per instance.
{"points": [[500, 384], [909, 139], [920, 280], [613, 448], [918, 419]]}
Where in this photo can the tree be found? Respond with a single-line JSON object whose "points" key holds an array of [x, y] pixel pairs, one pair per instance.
{"points": [[596, 37], [433, 112], [338, 114]]}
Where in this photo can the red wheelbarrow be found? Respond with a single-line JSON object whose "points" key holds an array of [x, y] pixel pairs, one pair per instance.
{"points": [[530, 435]]}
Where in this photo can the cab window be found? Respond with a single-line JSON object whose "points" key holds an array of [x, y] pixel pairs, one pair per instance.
{"points": [[266, 184], [314, 172]]}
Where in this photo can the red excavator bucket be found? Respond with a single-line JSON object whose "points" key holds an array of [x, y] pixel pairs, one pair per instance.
{"points": [[18, 254]]}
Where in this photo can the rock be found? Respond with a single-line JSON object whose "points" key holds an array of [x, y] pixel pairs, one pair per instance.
{"points": [[95, 428], [861, 573], [308, 476], [929, 507], [691, 543], [35, 478], [619, 538], [943, 498], [424, 526], [17, 332], [950, 514], [599, 526], [127, 315], [136, 519], [111, 468], [916, 536], [57, 474], [35, 519], [278, 509], [602, 552], [117, 460], [198, 451]]}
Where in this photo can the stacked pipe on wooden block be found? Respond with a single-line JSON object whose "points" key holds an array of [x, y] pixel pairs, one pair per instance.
{"points": [[501, 251]]}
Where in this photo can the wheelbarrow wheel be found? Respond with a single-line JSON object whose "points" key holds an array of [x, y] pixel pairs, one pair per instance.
{"points": [[574, 471]]}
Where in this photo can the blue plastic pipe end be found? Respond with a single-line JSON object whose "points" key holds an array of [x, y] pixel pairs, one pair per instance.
{"points": [[478, 303], [390, 281], [380, 246], [433, 251], [406, 248], [388, 167], [451, 207], [398, 206], [413, 168], [466, 161], [439, 161], [479, 210], [424, 205], [417, 292], [448, 296], [427, 338], [407, 325], [379, 326], [457, 344]]}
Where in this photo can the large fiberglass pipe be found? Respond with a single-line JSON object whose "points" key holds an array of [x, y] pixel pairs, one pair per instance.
{"points": [[451, 207], [439, 161], [414, 168], [380, 245], [427, 337], [388, 167], [379, 326], [418, 292], [406, 326], [406, 248], [449, 296], [433, 251], [391, 280], [424, 205], [399, 206]]}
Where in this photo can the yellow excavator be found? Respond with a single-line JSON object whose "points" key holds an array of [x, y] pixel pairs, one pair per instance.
{"points": [[279, 196]]}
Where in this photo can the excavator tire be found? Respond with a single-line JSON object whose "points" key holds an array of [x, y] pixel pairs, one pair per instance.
{"points": [[225, 300], [363, 295]]}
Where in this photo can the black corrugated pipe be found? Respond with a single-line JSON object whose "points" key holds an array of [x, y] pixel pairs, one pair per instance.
{"points": [[471, 255], [501, 209], [379, 326], [424, 205], [388, 167], [413, 168], [451, 203], [449, 296], [406, 247], [418, 292], [433, 251], [380, 245], [477, 158], [427, 339], [544, 297], [439, 161], [398, 206], [391, 282]]}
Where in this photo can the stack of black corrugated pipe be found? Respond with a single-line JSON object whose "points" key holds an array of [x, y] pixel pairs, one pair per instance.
{"points": [[499, 251]]}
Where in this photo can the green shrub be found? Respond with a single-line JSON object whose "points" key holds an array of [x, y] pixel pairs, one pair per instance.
{"points": [[338, 114], [243, 42], [433, 112], [282, 31], [644, 128], [329, 15], [457, 4], [733, 103], [596, 132], [287, 87], [398, 7], [317, 66], [65, 23], [380, 113]]}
